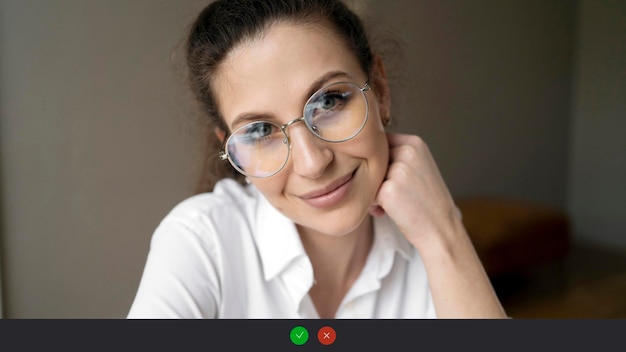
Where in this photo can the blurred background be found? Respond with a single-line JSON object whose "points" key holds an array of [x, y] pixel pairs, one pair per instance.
{"points": [[522, 102]]}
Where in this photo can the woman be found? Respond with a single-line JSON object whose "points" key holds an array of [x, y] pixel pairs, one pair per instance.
{"points": [[336, 218]]}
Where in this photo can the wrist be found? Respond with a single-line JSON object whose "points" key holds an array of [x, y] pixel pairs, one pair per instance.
{"points": [[444, 239]]}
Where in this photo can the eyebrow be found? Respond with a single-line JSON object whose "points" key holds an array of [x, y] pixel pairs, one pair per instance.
{"points": [[314, 87]]}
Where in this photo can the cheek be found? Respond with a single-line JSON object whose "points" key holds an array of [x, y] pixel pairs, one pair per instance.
{"points": [[372, 148], [376, 150], [379, 161], [374, 145], [272, 188]]}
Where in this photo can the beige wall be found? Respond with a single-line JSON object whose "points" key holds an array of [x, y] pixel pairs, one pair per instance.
{"points": [[96, 144], [488, 88], [597, 172]]}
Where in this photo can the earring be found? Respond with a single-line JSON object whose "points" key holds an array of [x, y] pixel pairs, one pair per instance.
{"points": [[387, 120], [248, 180]]}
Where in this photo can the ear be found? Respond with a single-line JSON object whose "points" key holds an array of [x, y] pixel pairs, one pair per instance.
{"points": [[220, 134], [380, 85]]}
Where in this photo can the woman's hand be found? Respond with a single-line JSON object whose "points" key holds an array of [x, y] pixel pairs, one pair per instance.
{"points": [[416, 198], [414, 194]]}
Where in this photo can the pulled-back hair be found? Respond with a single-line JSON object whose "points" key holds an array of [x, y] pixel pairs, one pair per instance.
{"points": [[225, 24]]}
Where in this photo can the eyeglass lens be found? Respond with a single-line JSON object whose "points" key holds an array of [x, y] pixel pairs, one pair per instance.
{"points": [[335, 113]]}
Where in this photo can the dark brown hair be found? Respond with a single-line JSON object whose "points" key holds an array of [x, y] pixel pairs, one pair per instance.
{"points": [[225, 24]]}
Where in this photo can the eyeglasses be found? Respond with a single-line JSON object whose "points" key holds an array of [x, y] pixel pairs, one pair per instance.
{"points": [[335, 113]]}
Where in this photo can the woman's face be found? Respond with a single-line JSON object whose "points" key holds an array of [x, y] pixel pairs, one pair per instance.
{"points": [[325, 187]]}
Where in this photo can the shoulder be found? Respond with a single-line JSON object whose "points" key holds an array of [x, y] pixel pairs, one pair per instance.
{"points": [[202, 230], [225, 215], [229, 200], [189, 253]]}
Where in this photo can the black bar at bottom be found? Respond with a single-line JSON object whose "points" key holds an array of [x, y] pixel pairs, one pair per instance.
{"points": [[274, 335]]}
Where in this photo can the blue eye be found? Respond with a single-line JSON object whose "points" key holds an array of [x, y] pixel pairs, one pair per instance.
{"points": [[328, 103], [258, 130], [330, 100]]}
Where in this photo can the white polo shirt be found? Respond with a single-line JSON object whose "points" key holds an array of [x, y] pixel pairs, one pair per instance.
{"points": [[230, 254]]}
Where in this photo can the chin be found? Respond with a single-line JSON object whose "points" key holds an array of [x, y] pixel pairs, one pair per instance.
{"points": [[338, 223]]}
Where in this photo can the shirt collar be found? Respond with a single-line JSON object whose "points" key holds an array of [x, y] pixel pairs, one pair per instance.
{"points": [[277, 239], [279, 243], [389, 237]]}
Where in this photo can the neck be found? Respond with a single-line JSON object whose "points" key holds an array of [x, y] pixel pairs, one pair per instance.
{"points": [[336, 255], [337, 262]]}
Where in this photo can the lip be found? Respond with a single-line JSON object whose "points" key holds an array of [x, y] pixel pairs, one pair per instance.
{"points": [[331, 194]]}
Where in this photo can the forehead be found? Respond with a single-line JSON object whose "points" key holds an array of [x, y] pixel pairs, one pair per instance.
{"points": [[280, 66]]}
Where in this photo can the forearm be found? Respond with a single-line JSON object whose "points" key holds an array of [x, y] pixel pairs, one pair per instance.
{"points": [[459, 285], [417, 199]]}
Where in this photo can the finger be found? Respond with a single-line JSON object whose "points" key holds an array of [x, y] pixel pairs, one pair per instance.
{"points": [[398, 139], [376, 211], [394, 139]]}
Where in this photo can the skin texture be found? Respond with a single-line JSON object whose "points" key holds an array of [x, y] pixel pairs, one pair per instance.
{"points": [[270, 78]]}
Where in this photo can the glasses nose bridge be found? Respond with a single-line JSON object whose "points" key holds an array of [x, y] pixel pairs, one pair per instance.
{"points": [[292, 122]]}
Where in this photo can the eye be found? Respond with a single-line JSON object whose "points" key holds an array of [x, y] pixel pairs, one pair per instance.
{"points": [[259, 130], [256, 132], [328, 101]]}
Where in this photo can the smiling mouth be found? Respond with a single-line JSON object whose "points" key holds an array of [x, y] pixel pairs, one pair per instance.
{"points": [[330, 195]]}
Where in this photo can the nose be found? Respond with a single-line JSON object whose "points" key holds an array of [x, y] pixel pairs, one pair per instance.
{"points": [[310, 156]]}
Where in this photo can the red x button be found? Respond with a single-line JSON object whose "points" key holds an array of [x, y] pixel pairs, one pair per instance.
{"points": [[326, 335]]}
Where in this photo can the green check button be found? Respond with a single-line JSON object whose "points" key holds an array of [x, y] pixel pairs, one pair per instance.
{"points": [[299, 335]]}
